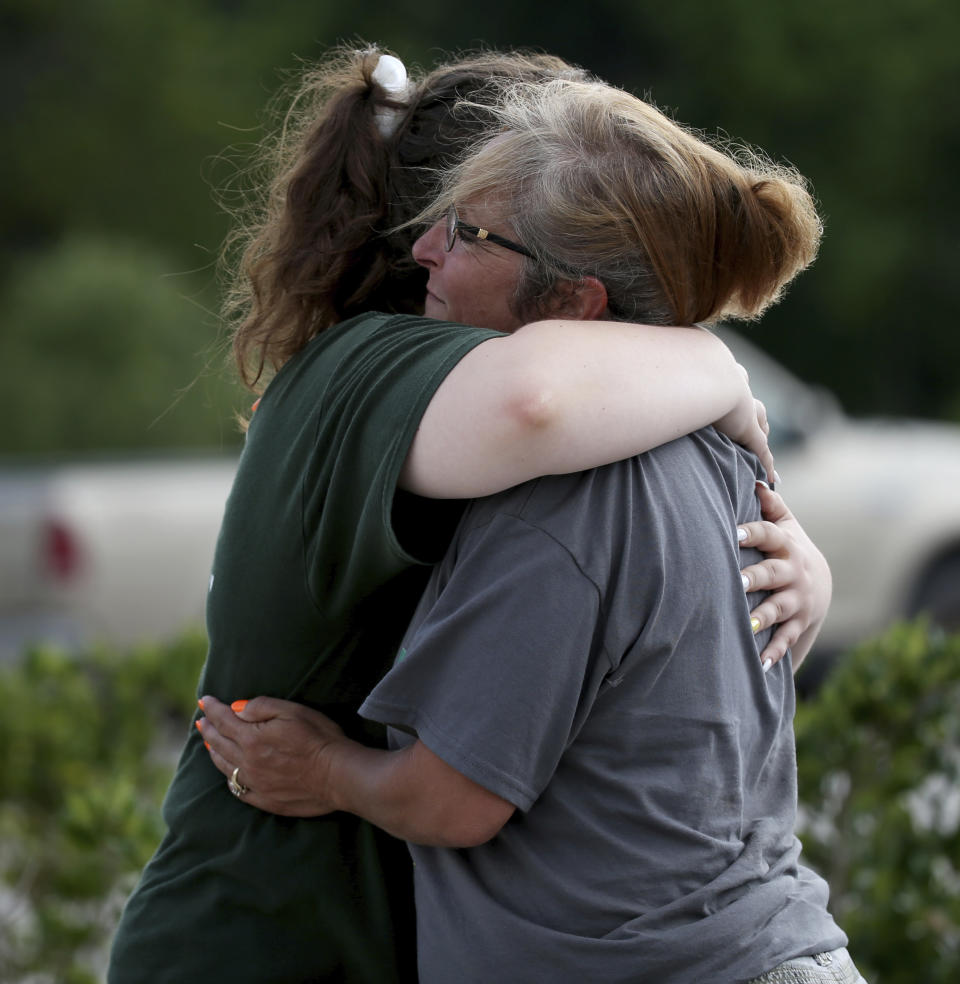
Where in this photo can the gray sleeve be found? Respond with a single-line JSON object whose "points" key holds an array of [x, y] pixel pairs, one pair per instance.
{"points": [[493, 672]]}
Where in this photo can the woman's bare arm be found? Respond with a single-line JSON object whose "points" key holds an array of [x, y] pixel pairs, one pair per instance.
{"points": [[564, 396], [295, 761]]}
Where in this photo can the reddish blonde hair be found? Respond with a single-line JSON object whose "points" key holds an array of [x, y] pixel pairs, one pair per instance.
{"points": [[598, 182]]}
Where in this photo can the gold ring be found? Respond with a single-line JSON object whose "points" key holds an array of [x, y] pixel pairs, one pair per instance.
{"points": [[235, 786]]}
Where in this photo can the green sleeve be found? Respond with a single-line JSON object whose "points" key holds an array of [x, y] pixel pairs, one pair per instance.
{"points": [[381, 379]]}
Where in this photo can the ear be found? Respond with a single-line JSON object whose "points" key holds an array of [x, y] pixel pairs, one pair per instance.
{"points": [[579, 300]]}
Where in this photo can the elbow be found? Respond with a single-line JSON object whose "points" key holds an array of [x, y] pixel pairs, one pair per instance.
{"points": [[440, 807], [534, 405], [469, 827], [483, 820], [536, 375], [479, 832]]}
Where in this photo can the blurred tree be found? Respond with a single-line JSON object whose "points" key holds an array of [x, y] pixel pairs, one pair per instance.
{"points": [[110, 354], [114, 110], [116, 117]]}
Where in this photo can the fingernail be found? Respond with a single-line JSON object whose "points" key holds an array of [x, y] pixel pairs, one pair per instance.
{"points": [[741, 534], [763, 483], [767, 663], [199, 725], [755, 625], [206, 745], [200, 703], [746, 582], [776, 477], [238, 705]]}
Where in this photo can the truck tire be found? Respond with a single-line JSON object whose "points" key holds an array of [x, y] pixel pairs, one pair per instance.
{"points": [[939, 593]]}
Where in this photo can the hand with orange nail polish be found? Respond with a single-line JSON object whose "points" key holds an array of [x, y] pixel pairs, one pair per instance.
{"points": [[278, 747], [199, 726]]}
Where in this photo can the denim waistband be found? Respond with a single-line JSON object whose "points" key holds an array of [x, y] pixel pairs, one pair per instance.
{"points": [[834, 967]]}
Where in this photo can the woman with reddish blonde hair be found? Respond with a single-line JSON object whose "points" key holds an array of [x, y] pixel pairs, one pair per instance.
{"points": [[595, 775]]}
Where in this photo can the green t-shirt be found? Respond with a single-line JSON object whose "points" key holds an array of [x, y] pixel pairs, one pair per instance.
{"points": [[318, 567]]}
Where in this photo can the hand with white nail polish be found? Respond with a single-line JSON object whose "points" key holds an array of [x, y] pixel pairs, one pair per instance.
{"points": [[795, 573]]}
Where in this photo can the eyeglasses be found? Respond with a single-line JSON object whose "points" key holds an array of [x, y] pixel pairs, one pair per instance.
{"points": [[455, 227]]}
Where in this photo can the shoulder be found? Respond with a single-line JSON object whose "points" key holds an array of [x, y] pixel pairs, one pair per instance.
{"points": [[689, 487], [397, 345], [374, 330], [372, 354], [377, 325]]}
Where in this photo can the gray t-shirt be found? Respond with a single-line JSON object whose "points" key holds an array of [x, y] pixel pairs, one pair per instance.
{"points": [[584, 651]]}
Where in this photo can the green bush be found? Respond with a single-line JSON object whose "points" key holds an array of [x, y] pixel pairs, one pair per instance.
{"points": [[103, 350], [87, 745], [879, 770]]}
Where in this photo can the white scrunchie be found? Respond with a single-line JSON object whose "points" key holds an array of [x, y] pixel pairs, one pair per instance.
{"points": [[391, 74]]}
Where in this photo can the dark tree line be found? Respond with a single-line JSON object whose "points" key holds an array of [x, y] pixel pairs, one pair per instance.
{"points": [[117, 117]]}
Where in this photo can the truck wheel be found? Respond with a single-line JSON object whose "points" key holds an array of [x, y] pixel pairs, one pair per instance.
{"points": [[939, 594]]}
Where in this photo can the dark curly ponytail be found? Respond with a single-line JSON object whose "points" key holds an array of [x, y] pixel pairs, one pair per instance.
{"points": [[321, 242]]}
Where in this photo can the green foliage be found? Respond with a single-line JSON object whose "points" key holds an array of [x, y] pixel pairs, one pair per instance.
{"points": [[117, 108], [87, 744], [879, 772], [119, 117], [107, 353]]}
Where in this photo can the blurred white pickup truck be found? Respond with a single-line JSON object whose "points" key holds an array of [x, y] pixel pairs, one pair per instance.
{"points": [[122, 551], [877, 495], [114, 551]]}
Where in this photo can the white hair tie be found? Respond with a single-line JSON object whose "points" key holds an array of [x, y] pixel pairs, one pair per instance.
{"points": [[391, 74]]}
